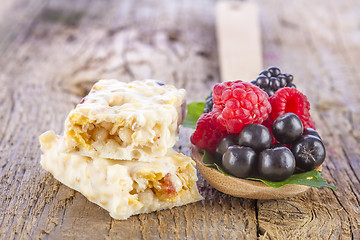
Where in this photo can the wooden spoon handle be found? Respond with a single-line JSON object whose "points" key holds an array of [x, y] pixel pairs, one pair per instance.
{"points": [[239, 40]]}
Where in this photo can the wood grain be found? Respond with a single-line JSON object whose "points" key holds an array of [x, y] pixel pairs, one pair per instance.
{"points": [[53, 51]]}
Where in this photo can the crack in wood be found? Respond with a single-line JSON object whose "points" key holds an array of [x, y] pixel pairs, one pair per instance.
{"points": [[110, 227], [259, 231], [349, 221]]}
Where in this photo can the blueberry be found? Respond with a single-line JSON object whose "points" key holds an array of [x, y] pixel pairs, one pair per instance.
{"points": [[262, 81], [253, 82], [276, 164], [287, 128], [255, 136], [309, 152], [239, 161], [312, 132], [274, 71], [292, 85], [274, 83], [225, 143]]}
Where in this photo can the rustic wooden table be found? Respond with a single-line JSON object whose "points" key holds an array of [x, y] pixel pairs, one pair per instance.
{"points": [[53, 51]]}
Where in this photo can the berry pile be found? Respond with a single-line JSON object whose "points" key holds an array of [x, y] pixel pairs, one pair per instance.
{"points": [[271, 80], [260, 130], [250, 153]]}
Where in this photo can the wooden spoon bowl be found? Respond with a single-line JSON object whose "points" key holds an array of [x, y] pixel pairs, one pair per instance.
{"points": [[238, 187]]}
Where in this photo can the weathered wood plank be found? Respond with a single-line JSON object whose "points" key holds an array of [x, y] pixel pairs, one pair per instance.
{"points": [[311, 44], [63, 47], [128, 43]]}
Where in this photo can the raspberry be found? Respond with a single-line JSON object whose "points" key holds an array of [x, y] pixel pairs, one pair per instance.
{"points": [[268, 124], [291, 100], [240, 103], [208, 131], [310, 124]]}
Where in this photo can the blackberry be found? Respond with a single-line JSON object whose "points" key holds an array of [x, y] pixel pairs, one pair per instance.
{"points": [[289, 78], [275, 71], [269, 92], [262, 81], [271, 80], [266, 73], [209, 103], [282, 80], [274, 83]]}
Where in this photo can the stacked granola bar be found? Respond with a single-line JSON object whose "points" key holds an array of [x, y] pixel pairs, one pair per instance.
{"points": [[117, 148]]}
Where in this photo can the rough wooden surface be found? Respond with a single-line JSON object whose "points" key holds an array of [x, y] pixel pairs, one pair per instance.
{"points": [[53, 51]]}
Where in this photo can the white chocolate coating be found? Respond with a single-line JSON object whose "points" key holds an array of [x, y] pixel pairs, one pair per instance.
{"points": [[125, 121], [123, 188]]}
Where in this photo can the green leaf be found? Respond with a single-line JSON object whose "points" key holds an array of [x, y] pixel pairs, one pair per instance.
{"points": [[194, 111], [209, 161], [312, 178]]}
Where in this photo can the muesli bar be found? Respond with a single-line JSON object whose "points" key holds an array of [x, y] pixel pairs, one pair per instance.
{"points": [[123, 188], [127, 121]]}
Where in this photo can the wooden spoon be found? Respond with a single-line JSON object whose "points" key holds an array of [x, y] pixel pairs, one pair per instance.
{"points": [[238, 187], [238, 34]]}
